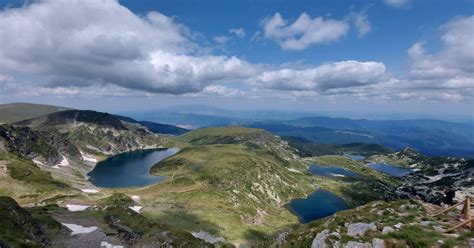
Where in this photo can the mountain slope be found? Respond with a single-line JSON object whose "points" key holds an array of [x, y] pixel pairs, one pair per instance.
{"points": [[13, 112], [96, 132], [155, 127]]}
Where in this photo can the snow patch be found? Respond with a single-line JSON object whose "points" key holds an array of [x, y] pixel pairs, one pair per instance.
{"points": [[337, 175], [37, 162], [92, 191], [88, 158], [78, 229], [293, 170], [135, 197], [106, 244], [63, 162], [76, 208], [136, 208]]}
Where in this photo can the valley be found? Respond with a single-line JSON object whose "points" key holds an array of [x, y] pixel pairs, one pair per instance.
{"points": [[217, 186]]}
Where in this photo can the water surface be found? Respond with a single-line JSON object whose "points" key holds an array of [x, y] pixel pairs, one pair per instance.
{"points": [[129, 169], [392, 170], [317, 205], [331, 171], [353, 156]]}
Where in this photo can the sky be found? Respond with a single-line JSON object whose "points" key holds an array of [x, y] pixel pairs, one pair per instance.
{"points": [[369, 57]]}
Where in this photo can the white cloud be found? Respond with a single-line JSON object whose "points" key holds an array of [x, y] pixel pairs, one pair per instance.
{"points": [[221, 39], [361, 22], [452, 67], [303, 32], [239, 32], [397, 3], [87, 42], [342, 74]]}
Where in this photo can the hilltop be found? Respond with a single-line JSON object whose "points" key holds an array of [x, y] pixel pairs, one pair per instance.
{"points": [[13, 112]]}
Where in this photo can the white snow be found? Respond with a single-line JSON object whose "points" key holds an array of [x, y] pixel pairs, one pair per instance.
{"points": [[92, 191], [294, 170], [76, 208], [88, 158], [63, 162], [106, 244], [337, 175], [136, 208], [37, 162], [135, 197], [77, 229]]}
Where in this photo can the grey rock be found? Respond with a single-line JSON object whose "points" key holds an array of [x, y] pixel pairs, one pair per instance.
{"points": [[360, 228], [426, 223], [353, 244], [387, 230], [378, 243], [320, 240]]}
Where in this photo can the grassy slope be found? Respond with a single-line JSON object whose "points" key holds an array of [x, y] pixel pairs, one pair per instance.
{"points": [[382, 214], [234, 182], [14, 112]]}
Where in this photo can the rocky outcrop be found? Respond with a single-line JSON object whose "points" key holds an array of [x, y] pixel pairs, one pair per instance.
{"points": [[18, 227], [359, 229]]}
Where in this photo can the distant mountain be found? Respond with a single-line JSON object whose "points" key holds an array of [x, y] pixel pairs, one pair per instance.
{"points": [[13, 112], [156, 127], [432, 137]]}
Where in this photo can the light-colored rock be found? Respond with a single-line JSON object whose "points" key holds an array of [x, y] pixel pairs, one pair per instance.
{"points": [[353, 244], [360, 228], [208, 237], [398, 225], [320, 240], [426, 223], [387, 230], [378, 243]]}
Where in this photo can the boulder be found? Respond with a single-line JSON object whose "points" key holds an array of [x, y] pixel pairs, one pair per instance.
{"points": [[320, 240], [378, 243], [353, 244], [360, 228], [387, 230]]}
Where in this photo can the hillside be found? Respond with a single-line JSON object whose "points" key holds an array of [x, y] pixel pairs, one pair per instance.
{"points": [[13, 112], [155, 127]]}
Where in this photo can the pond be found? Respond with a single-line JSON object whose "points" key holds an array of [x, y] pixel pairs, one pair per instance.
{"points": [[389, 169], [129, 169], [331, 171], [317, 205], [353, 156]]}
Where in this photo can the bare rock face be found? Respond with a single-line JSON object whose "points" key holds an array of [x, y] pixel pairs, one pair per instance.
{"points": [[320, 240], [359, 229]]}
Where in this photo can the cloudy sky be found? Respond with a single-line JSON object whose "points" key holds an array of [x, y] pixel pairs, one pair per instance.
{"points": [[404, 56]]}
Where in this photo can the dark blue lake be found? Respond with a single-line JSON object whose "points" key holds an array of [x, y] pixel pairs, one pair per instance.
{"points": [[317, 205], [129, 169], [331, 171], [353, 156], [390, 169]]}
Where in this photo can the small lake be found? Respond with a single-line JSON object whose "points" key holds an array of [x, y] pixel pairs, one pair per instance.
{"points": [[331, 171], [353, 156], [129, 169], [317, 205], [389, 169]]}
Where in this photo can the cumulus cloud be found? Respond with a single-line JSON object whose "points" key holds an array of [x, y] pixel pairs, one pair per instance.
{"points": [[452, 67], [397, 3], [304, 31], [343, 74], [88, 42], [239, 32]]}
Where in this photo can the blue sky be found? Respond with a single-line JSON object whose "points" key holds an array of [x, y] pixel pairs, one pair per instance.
{"points": [[400, 56]]}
